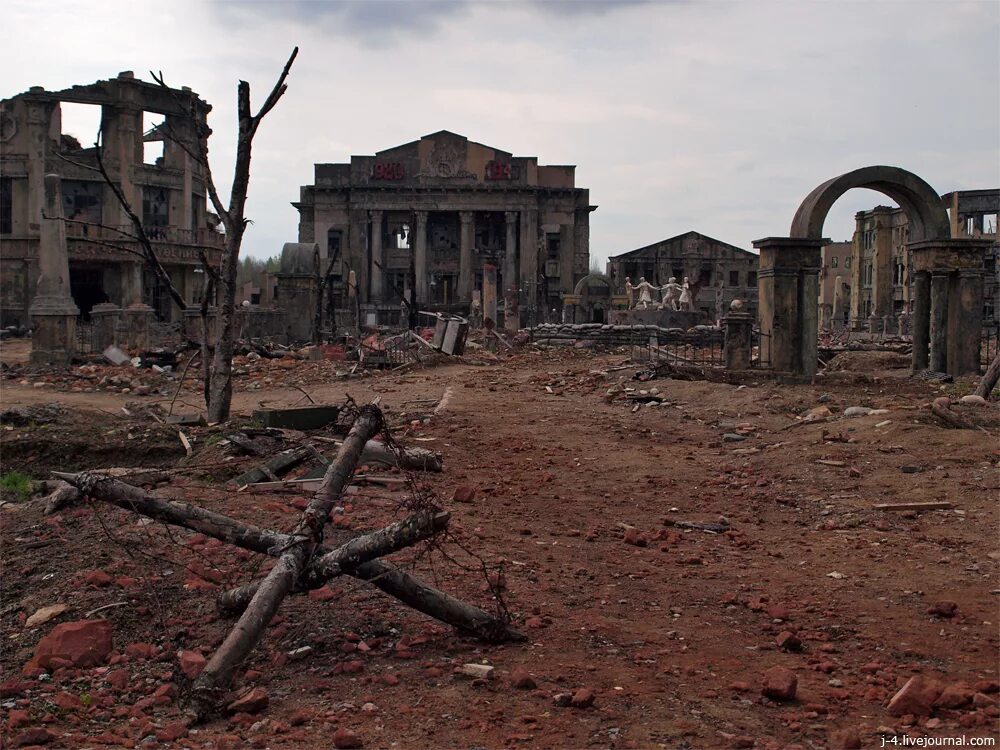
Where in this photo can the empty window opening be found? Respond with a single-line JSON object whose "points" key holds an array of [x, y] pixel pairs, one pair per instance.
{"points": [[834, 261], [989, 223], [402, 237], [6, 205], [734, 278], [152, 139], [78, 127]]}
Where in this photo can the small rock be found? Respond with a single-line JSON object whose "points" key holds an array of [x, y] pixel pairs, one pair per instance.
{"points": [[915, 697], [562, 699], [955, 696], [36, 736], [635, 537], [191, 663], [857, 411], [345, 739], [98, 578], [44, 614], [788, 641], [733, 437], [251, 702], [973, 399], [477, 671], [780, 684], [84, 643], [172, 732], [583, 698], [521, 679], [943, 609], [848, 739], [464, 494]]}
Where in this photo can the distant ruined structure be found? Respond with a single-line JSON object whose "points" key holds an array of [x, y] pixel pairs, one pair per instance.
{"points": [[466, 224], [168, 194]]}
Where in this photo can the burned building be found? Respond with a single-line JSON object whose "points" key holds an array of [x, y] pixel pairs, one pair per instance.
{"points": [[448, 216], [168, 193], [834, 284], [717, 272], [880, 278]]}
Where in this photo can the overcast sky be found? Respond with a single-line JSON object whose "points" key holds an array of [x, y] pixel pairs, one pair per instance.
{"points": [[713, 116]]}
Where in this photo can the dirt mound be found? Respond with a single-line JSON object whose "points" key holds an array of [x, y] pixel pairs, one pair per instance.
{"points": [[868, 362]]}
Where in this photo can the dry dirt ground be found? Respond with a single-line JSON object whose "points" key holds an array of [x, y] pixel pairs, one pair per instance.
{"points": [[672, 629]]}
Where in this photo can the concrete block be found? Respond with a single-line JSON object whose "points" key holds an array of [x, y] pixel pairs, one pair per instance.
{"points": [[303, 418]]}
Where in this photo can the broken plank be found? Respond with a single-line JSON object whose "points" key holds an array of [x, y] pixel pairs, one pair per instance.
{"points": [[280, 463], [935, 505]]}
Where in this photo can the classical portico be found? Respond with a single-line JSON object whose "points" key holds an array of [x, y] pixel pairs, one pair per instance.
{"points": [[436, 216]]}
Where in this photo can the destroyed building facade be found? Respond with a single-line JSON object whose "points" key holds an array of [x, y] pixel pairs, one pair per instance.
{"points": [[450, 215], [880, 278], [168, 194], [717, 271]]}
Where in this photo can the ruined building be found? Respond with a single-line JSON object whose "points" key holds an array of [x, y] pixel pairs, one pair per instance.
{"points": [[880, 279], [461, 222], [717, 271], [168, 194]]}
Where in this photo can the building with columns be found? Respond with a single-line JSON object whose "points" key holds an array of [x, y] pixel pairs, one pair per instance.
{"points": [[160, 179], [881, 278], [456, 220]]}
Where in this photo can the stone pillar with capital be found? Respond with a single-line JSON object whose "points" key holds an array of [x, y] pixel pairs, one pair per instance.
{"points": [[420, 256], [53, 312], [377, 293], [466, 240], [739, 340], [510, 295], [528, 271], [788, 292], [489, 293]]}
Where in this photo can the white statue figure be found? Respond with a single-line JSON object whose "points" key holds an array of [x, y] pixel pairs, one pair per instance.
{"points": [[645, 293], [630, 291], [685, 300], [671, 292]]}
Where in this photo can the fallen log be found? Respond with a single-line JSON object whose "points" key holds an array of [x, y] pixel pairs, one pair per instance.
{"points": [[946, 415], [215, 678], [186, 515], [59, 495], [359, 550], [396, 583]]}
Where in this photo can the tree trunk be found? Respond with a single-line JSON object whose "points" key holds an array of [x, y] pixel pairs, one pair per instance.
{"points": [[215, 678], [178, 514], [220, 394], [437, 604], [989, 381]]}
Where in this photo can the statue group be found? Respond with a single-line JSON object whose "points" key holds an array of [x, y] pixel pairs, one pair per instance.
{"points": [[675, 296]]}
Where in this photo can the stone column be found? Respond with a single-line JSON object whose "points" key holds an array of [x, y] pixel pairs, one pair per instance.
{"points": [[939, 321], [965, 331], [39, 123], [466, 240], [137, 316], [739, 340], [788, 291], [837, 318], [809, 317], [510, 295], [921, 320], [378, 259], [420, 257], [528, 272], [490, 292], [53, 312], [105, 321]]}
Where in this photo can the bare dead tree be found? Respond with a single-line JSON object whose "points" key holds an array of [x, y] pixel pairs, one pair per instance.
{"points": [[234, 221]]}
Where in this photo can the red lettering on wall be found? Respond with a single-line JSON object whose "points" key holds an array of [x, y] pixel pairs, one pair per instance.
{"points": [[499, 170], [390, 170]]}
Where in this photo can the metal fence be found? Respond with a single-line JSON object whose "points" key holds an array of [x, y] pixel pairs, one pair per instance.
{"points": [[760, 350], [990, 343], [703, 348]]}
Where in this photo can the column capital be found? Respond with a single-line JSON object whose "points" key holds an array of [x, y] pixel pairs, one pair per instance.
{"points": [[511, 216], [420, 216], [375, 214], [466, 217]]}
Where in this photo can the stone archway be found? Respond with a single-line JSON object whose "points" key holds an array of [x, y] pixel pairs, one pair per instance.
{"points": [[592, 298], [947, 282]]}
